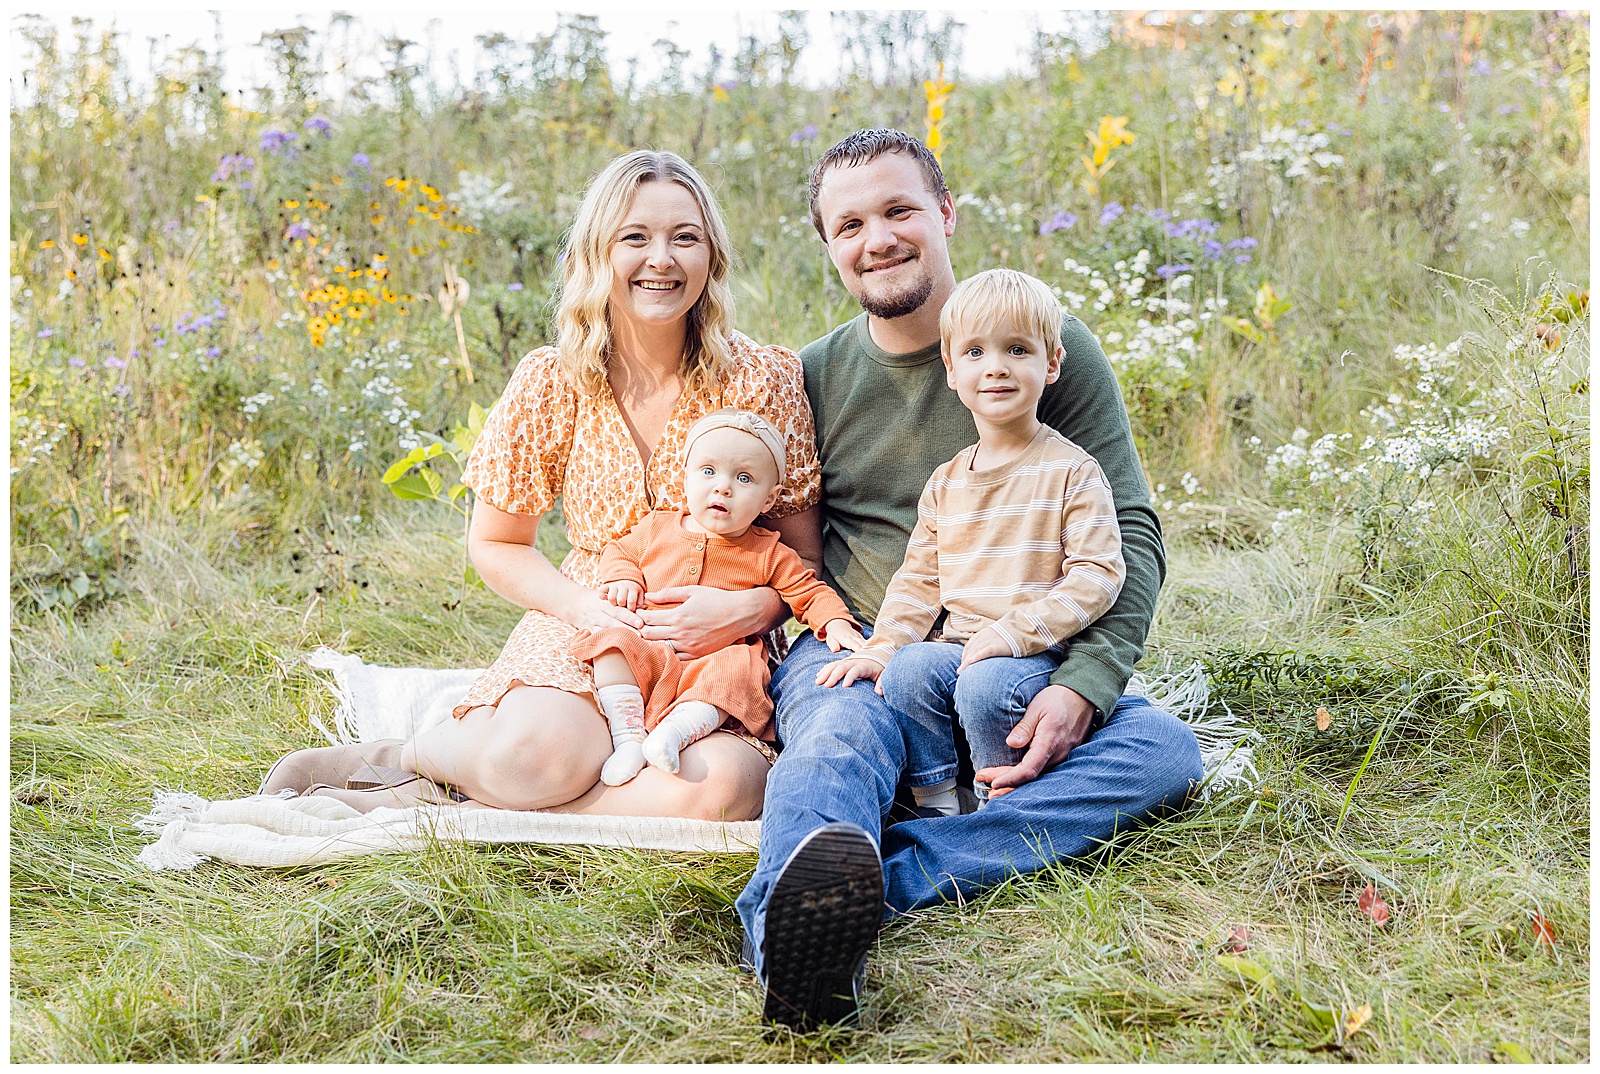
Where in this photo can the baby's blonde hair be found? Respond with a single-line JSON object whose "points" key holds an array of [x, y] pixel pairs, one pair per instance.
{"points": [[1006, 296], [583, 315]]}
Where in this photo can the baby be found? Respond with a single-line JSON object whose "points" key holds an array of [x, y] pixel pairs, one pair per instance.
{"points": [[1016, 541], [655, 703]]}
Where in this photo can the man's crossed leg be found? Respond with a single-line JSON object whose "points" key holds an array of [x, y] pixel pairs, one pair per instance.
{"points": [[843, 752]]}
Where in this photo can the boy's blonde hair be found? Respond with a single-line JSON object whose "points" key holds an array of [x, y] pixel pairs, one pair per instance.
{"points": [[583, 313], [1003, 295]]}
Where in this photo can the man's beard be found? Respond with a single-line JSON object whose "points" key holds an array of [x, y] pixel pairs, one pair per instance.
{"points": [[899, 303]]}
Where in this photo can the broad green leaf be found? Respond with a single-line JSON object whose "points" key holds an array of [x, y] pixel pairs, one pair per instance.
{"points": [[470, 575], [456, 492], [412, 487], [434, 482], [392, 474], [1323, 1016], [1513, 1052], [476, 416], [1243, 327], [1244, 967]]}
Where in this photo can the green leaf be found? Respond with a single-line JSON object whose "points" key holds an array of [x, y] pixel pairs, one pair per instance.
{"points": [[456, 492], [413, 487], [1513, 1052], [476, 416], [392, 474], [1254, 971], [1243, 327], [1324, 1017], [434, 482], [80, 585], [471, 577]]}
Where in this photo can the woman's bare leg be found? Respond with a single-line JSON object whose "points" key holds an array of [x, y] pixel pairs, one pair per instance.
{"points": [[537, 748], [721, 777]]}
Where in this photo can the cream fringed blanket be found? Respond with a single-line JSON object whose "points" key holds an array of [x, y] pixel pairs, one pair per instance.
{"points": [[379, 702]]}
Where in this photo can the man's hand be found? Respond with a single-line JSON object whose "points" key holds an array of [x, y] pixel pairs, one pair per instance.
{"points": [[981, 646], [846, 671], [1056, 723], [703, 619], [842, 634], [624, 594]]}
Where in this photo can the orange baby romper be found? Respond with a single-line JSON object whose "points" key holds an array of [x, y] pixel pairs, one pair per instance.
{"points": [[659, 553]]}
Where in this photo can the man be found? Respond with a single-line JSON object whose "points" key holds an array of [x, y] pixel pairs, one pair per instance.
{"points": [[1096, 762]]}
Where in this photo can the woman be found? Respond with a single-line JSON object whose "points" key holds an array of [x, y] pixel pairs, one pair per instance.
{"points": [[645, 347]]}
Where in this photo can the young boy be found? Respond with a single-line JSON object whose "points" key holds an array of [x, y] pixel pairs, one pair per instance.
{"points": [[655, 703], [1016, 542]]}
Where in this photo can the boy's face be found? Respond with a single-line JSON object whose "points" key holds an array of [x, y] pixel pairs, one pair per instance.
{"points": [[729, 479], [999, 370]]}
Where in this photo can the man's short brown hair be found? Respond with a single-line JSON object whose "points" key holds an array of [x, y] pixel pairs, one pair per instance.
{"points": [[865, 146]]}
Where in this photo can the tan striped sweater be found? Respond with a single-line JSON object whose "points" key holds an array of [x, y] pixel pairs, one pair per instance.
{"points": [[1031, 548]]}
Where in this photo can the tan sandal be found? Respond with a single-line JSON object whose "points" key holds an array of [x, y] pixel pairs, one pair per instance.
{"points": [[329, 766], [380, 777]]}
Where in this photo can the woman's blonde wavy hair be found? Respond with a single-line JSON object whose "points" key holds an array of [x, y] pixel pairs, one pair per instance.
{"points": [[583, 311]]}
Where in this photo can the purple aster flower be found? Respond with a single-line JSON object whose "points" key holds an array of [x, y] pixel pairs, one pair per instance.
{"points": [[728, 86], [1166, 272], [1482, 68], [361, 160], [296, 230], [160, 342], [514, 287], [1111, 211], [122, 389], [46, 333], [1159, 213], [213, 352], [230, 165], [116, 363], [319, 124], [1061, 219], [804, 134], [277, 142], [1246, 243], [76, 363], [1508, 109], [1213, 249], [1242, 259]]}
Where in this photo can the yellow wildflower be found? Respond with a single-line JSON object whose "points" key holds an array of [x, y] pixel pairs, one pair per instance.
{"points": [[80, 239], [433, 195], [47, 244], [317, 326], [291, 203]]}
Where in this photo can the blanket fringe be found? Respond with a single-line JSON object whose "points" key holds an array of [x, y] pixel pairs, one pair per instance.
{"points": [[1227, 745]]}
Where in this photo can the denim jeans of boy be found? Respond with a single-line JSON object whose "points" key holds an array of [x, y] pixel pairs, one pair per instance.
{"points": [[988, 699], [843, 752]]}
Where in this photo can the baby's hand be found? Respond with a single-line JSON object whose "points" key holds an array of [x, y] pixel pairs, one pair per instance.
{"points": [[981, 646], [842, 634], [629, 595], [846, 671]]}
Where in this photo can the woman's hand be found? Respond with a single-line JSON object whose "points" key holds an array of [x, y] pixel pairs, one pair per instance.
{"points": [[702, 619], [624, 594], [844, 672], [842, 634], [592, 612], [981, 646]]}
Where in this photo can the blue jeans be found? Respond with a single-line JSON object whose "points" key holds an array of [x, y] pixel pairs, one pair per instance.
{"points": [[988, 699], [843, 752]]}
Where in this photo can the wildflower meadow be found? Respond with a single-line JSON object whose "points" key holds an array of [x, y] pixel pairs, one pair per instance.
{"points": [[1339, 263]]}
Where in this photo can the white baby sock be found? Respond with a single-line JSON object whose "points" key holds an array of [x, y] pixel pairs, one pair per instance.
{"points": [[939, 796], [689, 721], [623, 706]]}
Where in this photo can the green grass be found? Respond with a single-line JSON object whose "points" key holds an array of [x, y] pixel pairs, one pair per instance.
{"points": [[530, 953]]}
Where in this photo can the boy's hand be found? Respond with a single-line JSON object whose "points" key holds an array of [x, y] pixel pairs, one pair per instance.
{"points": [[981, 646], [842, 634], [629, 595], [846, 671]]}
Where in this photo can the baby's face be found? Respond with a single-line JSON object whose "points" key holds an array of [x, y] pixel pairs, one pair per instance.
{"points": [[730, 478]]}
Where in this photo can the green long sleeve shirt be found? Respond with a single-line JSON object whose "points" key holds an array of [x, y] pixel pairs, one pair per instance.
{"points": [[885, 421]]}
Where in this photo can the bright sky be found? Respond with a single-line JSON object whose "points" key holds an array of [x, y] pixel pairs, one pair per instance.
{"points": [[996, 38]]}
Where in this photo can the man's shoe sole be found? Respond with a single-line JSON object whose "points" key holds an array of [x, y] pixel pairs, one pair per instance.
{"points": [[821, 919]]}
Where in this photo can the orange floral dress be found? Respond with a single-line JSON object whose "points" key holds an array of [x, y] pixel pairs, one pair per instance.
{"points": [[546, 439]]}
